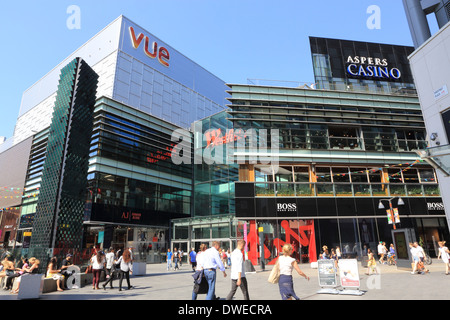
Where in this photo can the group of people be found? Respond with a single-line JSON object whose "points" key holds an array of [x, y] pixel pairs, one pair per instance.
{"points": [[174, 259], [207, 261], [334, 254], [115, 264], [10, 273]]}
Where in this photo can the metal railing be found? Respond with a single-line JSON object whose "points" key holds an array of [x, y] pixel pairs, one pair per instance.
{"points": [[327, 189]]}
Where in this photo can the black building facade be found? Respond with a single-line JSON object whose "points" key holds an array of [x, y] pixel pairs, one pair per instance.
{"points": [[361, 66]]}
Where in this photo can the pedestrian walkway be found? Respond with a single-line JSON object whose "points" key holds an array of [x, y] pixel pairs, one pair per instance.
{"points": [[160, 284]]}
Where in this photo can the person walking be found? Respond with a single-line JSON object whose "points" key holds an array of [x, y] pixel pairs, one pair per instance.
{"points": [[444, 254], [422, 257], [414, 257], [338, 253], [169, 259], [192, 259], [98, 264], [381, 252], [211, 262], [175, 259], [237, 275], [126, 268], [110, 269], [371, 263], [287, 265], [180, 257], [200, 283]]}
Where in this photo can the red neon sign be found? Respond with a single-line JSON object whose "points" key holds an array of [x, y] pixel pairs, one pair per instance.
{"points": [[153, 52], [215, 137]]}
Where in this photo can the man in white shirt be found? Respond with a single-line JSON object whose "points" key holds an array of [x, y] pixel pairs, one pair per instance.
{"points": [[211, 261], [381, 253], [238, 272]]}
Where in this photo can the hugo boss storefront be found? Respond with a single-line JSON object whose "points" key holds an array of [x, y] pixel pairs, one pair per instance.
{"points": [[353, 224]]}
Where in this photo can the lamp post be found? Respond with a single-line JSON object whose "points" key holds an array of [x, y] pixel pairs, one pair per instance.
{"points": [[391, 209]]}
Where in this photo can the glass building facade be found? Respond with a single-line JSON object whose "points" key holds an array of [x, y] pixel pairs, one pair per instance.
{"points": [[335, 165], [133, 188], [338, 155]]}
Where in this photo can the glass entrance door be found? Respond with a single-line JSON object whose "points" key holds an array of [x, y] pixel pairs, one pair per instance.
{"points": [[183, 246]]}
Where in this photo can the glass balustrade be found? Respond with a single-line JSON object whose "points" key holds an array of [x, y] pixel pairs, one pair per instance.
{"points": [[305, 189]]}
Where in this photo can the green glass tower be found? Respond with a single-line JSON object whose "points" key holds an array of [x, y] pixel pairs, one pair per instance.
{"points": [[58, 223]]}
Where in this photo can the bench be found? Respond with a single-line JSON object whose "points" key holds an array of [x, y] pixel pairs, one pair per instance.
{"points": [[49, 285]]}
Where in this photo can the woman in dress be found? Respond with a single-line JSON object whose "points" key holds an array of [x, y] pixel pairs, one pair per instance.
{"points": [[371, 262], [287, 264], [444, 254], [55, 274]]}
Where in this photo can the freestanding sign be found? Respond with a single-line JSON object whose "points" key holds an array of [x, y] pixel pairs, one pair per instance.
{"points": [[349, 275], [327, 276]]}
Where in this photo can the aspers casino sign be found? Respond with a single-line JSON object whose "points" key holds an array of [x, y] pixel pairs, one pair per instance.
{"points": [[370, 68], [154, 51]]}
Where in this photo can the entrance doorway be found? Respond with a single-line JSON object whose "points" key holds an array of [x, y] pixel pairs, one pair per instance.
{"points": [[182, 245]]}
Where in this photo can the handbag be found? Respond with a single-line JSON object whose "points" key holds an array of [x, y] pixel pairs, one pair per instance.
{"points": [[274, 276]]}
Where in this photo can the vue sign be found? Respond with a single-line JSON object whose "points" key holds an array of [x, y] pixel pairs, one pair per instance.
{"points": [[153, 51]]}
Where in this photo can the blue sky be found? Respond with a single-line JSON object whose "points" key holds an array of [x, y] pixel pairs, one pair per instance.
{"points": [[233, 39]]}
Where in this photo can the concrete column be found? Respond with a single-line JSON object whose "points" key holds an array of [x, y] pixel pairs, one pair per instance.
{"points": [[417, 20]]}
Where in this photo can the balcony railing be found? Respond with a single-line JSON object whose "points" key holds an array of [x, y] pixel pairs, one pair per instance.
{"points": [[309, 189]]}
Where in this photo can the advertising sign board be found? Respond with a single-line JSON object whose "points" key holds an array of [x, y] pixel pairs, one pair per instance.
{"points": [[349, 274], [327, 273]]}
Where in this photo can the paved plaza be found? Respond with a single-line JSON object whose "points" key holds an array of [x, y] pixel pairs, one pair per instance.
{"points": [[160, 284]]}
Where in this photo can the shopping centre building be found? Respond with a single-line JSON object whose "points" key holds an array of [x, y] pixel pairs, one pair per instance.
{"points": [[326, 156], [144, 92], [311, 165]]}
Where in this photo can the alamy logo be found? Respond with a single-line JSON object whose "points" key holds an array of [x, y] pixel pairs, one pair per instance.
{"points": [[231, 146]]}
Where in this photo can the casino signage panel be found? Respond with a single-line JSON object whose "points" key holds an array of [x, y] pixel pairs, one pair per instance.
{"points": [[369, 67]]}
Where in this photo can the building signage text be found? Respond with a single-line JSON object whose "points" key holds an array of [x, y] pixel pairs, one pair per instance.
{"points": [[369, 67], [286, 207], [152, 52], [435, 206]]}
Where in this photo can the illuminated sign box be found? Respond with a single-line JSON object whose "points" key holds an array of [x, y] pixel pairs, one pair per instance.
{"points": [[369, 67]]}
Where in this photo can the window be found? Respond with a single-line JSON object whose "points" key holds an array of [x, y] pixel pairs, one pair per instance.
{"points": [[427, 175], [395, 175], [343, 137], [301, 174], [341, 174], [284, 175], [358, 174], [263, 174], [323, 174]]}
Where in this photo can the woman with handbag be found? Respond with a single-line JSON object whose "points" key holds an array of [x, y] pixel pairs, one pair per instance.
{"points": [[287, 265]]}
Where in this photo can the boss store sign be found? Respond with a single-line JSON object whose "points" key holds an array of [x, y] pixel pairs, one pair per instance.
{"points": [[371, 68]]}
